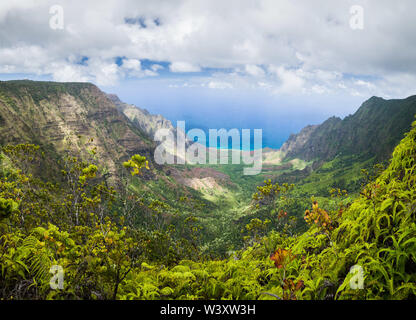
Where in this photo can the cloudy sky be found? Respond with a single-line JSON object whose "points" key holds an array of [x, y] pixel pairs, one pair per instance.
{"points": [[268, 60]]}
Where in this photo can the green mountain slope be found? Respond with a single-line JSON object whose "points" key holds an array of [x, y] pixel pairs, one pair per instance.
{"points": [[373, 130], [64, 117]]}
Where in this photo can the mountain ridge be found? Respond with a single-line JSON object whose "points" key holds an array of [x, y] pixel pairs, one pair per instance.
{"points": [[60, 116], [375, 120], [149, 123]]}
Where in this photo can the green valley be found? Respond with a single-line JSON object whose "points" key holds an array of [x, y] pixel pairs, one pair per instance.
{"points": [[79, 188]]}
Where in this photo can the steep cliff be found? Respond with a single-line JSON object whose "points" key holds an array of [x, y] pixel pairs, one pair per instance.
{"points": [[296, 142], [147, 122], [373, 131], [68, 116]]}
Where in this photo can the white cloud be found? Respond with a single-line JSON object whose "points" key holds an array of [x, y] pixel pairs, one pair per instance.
{"points": [[219, 85], [290, 80], [364, 83], [303, 47], [254, 70], [181, 66], [67, 73], [133, 68], [132, 64], [320, 89], [155, 67]]}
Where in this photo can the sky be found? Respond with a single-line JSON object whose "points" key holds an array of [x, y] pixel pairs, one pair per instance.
{"points": [[272, 64]]}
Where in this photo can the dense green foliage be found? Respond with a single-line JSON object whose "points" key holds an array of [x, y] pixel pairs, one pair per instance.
{"points": [[106, 254]]}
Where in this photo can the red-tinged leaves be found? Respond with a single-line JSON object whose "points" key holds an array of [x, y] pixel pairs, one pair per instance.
{"points": [[281, 257]]}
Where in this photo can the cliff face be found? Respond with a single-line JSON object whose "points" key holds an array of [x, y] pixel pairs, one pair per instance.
{"points": [[373, 131], [148, 123], [295, 142], [62, 116]]}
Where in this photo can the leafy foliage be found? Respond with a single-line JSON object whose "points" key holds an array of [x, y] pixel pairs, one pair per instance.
{"points": [[79, 226]]}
